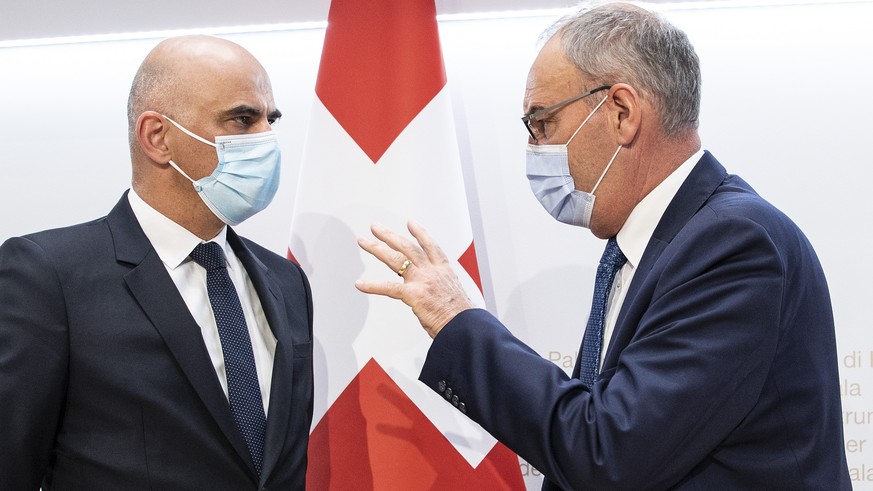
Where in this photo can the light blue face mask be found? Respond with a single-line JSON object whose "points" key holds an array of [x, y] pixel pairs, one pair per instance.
{"points": [[246, 178], [548, 171]]}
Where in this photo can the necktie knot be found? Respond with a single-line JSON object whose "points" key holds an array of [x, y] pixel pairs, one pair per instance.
{"points": [[612, 255], [209, 255]]}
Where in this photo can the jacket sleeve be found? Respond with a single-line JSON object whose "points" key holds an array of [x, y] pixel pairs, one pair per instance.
{"points": [[696, 363], [33, 362]]}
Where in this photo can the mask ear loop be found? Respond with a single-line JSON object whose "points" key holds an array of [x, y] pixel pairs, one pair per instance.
{"points": [[583, 122], [606, 169], [189, 133], [183, 173], [196, 137]]}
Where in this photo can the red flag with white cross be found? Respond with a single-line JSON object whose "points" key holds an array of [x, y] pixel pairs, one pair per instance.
{"points": [[382, 148]]}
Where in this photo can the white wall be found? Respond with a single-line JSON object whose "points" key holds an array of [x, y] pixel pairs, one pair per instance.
{"points": [[785, 105]]}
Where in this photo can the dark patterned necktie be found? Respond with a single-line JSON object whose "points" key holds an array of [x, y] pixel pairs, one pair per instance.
{"points": [[244, 392], [611, 261]]}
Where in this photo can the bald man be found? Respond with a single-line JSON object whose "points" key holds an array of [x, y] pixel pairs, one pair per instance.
{"points": [[154, 348]]}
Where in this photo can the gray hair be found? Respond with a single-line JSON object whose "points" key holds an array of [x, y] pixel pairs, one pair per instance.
{"points": [[622, 43], [154, 88]]}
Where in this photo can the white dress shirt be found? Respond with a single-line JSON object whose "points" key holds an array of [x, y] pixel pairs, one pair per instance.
{"points": [[634, 236], [174, 243]]}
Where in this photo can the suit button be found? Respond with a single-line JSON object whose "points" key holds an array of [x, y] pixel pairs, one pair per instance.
{"points": [[449, 393], [462, 407], [455, 401], [442, 385]]}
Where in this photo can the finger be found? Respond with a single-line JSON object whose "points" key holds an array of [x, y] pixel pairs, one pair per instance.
{"points": [[385, 288], [399, 243], [433, 250], [382, 252]]}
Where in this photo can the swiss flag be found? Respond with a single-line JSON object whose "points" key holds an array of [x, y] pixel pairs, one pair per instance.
{"points": [[382, 148]]}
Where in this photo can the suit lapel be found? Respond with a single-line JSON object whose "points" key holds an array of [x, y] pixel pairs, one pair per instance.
{"points": [[269, 293], [701, 183], [157, 295]]}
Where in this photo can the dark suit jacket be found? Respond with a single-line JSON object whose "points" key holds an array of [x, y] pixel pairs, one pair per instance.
{"points": [[105, 381], [721, 372]]}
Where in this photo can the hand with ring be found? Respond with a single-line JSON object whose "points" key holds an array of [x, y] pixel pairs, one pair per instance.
{"points": [[403, 267], [429, 285]]}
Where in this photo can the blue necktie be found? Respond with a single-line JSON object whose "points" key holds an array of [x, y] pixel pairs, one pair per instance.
{"points": [[611, 261], [244, 392]]}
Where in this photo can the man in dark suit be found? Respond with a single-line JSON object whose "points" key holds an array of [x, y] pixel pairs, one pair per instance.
{"points": [[709, 359], [154, 348]]}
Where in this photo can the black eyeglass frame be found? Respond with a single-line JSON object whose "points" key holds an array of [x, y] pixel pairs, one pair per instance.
{"points": [[528, 118]]}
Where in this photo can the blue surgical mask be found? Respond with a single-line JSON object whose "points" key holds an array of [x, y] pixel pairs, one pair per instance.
{"points": [[548, 171], [246, 178]]}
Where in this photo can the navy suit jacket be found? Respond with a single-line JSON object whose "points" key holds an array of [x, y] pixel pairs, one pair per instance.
{"points": [[721, 372], [105, 381]]}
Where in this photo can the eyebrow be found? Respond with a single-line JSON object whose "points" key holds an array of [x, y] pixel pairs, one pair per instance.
{"points": [[534, 108], [245, 110]]}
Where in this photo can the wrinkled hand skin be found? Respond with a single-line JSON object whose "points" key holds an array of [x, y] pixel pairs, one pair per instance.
{"points": [[429, 285]]}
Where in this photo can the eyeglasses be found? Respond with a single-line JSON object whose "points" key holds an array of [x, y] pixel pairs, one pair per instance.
{"points": [[535, 126]]}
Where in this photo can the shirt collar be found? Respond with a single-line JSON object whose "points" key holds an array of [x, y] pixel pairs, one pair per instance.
{"points": [[171, 241], [640, 224]]}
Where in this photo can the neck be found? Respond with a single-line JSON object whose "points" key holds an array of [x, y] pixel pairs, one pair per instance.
{"points": [[191, 214], [646, 165], [664, 156]]}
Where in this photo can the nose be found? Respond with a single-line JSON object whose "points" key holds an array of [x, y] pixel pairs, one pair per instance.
{"points": [[262, 125]]}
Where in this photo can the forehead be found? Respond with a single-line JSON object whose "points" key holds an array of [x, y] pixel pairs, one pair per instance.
{"points": [[230, 89], [218, 84], [552, 77]]}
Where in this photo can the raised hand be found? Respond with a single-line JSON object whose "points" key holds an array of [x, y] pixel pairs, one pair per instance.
{"points": [[429, 285]]}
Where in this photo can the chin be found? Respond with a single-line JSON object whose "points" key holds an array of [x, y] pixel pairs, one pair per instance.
{"points": [[601, 231], [596, 228], [600, 235]]}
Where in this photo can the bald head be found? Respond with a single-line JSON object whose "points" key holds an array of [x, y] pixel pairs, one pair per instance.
{"points": [[209, 86], [180, 69]]}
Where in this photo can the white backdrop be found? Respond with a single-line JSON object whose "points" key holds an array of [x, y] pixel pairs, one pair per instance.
{"points": [[786, 105]]}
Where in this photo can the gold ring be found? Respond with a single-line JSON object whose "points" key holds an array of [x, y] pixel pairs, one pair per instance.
{"points": [[403, 267]]}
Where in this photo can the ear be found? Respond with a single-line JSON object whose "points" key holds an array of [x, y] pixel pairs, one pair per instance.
{"points": [[151, 130], [626, 113]]}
